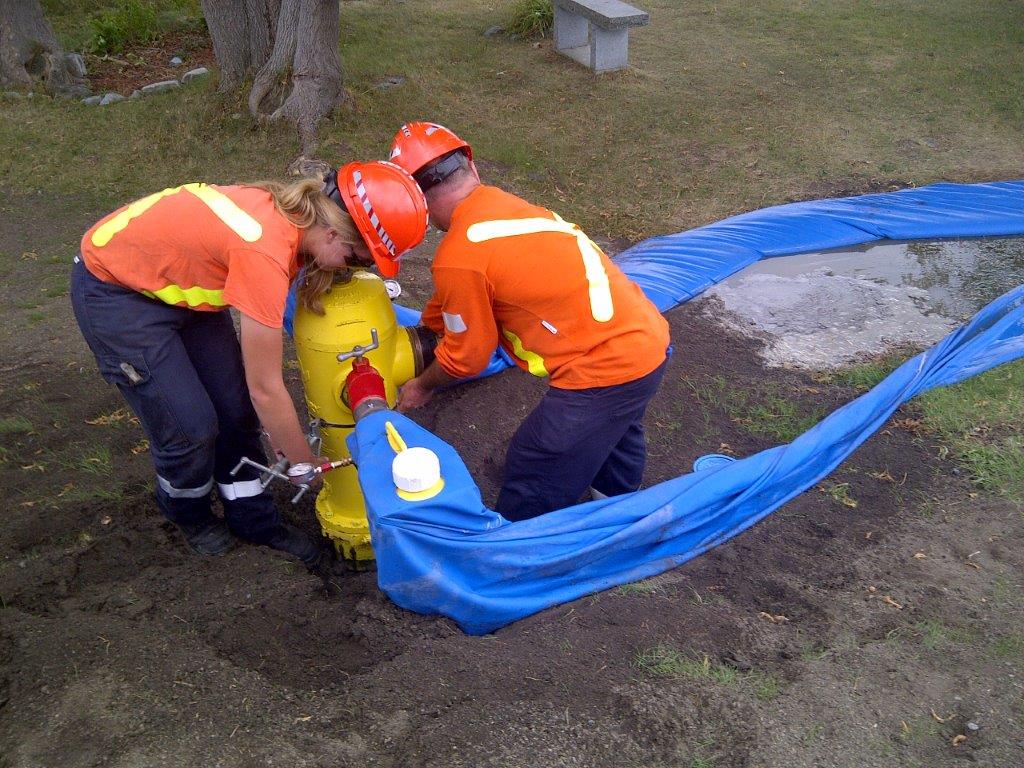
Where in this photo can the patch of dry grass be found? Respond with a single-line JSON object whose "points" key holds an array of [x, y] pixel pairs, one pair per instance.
{"points": [[729, 106]]}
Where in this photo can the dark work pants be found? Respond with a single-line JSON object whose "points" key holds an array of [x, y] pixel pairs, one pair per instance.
{"points": [[574, 439], [181, 372]]}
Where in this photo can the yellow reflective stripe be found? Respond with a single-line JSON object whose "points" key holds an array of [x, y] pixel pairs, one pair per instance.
{"points": [[241, 223], [223, 207], [194, 296], [602, 308], [491, 230], [534, 362], [111, 227]]}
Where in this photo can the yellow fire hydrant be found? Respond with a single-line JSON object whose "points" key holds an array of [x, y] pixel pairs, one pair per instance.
{"points": [[357, 313]]}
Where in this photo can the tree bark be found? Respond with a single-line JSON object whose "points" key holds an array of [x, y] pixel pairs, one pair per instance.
{"points": [[242, 34], [290, 48], [29, 51]]}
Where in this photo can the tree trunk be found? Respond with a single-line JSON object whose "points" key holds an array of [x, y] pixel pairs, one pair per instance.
{"points": [[242, 34], [29, 50], [290, 48]]}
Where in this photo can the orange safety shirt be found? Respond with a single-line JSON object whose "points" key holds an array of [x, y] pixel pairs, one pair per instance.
{"points": [[201, 246], [513, 273]]}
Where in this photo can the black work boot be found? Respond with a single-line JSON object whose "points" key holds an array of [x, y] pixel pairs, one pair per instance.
{"points": [[306, 548], [208, 538]]}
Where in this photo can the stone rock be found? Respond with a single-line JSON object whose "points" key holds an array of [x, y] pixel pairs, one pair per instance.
{"points": [[74, 91], [194, 74], [163, 85], [136, 93], [92, 101], [111, 98], [176, 61], [75, 64], [497, 29]]}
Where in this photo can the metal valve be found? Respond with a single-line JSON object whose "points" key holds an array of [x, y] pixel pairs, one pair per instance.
{"points": [[301, 474], [359, 350], [314, 437]]}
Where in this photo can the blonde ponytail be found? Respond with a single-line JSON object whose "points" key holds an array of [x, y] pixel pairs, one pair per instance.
{"points": [[304, 204]]}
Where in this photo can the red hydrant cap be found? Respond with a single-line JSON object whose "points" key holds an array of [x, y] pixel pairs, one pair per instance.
{"points": [[363, 383]]}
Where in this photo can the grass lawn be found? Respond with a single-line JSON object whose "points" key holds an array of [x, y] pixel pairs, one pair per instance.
{"points": [[729, 106]]}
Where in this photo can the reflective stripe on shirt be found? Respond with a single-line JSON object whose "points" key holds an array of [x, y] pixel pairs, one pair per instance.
{"points": [[193, 297], [602, 309], [240, 222], [534, 362], [454, 322]]}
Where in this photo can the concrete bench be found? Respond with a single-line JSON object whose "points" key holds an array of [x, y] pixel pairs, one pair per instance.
{"points": [[595, 32]]}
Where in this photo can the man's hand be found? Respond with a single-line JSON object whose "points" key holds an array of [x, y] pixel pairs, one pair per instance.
{"points": [[413, 395]]}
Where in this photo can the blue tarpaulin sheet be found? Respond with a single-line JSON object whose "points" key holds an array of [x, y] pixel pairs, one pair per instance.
{"points": [[453, 556], [675, 268]]}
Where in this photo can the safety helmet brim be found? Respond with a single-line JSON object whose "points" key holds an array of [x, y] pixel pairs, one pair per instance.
{"points": [[387, 208]]}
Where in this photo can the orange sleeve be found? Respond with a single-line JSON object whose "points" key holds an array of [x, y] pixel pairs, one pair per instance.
{"points": [[463, 298], [257, 286], [431, 316]]}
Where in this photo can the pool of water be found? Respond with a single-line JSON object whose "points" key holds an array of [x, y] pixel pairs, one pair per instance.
{"points": [[826, 309], [958, 276]]}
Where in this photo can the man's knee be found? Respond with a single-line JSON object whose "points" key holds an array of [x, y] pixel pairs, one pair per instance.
{"points": [[518, 502], [623, 470]]}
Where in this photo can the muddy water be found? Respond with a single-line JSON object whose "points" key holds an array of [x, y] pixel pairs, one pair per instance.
{"points": [[824, 309], [959, 276]]}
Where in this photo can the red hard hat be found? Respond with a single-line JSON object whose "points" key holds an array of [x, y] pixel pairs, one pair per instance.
{"points": [[387, 207], [418, 144]]}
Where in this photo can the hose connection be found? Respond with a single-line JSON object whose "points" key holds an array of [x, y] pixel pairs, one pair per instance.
{"points": [[364, 389]]}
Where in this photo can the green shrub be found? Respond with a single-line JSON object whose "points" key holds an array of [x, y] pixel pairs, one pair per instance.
{"points": [[530, 18], [130, 22]]}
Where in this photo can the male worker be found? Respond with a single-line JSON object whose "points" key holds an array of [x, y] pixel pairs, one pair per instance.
{"points": [[513, 273]]}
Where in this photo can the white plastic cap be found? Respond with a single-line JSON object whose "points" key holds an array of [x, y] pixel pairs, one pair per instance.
{"points": [[416, 469]]}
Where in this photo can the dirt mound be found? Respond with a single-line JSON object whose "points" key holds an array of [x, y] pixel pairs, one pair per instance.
{"points": [[826, 635]]}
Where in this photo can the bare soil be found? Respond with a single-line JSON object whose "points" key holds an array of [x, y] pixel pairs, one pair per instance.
{"points": [[145, 64], [882, 634]]}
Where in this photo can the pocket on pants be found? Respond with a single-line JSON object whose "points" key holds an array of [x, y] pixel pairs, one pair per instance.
{"points": [[146, 398]]}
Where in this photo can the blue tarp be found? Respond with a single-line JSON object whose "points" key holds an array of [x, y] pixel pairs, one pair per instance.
{"points": [[675, 268], [453, 556]]}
